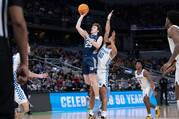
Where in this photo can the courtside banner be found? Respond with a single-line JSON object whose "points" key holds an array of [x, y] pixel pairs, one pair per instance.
{"points": [[125, 99], [65, 102]]}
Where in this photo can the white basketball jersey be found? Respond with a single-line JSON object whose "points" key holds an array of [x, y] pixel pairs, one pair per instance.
{"points": [[172, 44], [144, 83], [16, 61], [104, 58]]}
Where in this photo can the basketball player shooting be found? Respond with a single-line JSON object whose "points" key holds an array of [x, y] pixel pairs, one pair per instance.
{"points": [[92, 43], [172, 22]]}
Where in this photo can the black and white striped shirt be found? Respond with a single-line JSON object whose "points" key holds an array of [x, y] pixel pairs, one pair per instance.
{"points": [[4, 4]]}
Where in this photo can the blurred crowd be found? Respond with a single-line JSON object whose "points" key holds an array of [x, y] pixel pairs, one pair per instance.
{"points": [[121, 71]]}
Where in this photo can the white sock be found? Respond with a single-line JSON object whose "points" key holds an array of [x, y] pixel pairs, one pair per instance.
{"points": [[149, 115], [97, 97], [90, 112], [156, 107], [178, 105], [104, 113]]}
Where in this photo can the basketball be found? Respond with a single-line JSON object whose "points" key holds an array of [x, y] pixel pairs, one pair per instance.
{"points": [[83, 9]]}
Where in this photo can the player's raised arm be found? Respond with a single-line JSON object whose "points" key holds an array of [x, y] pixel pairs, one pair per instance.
{"points": [[81, 31], [113, 52], [107, 27]]}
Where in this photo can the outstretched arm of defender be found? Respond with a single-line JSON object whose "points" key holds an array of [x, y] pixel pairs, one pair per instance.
{"points": [[34, 75], [78, 27], [113, 46], [107, 27]]}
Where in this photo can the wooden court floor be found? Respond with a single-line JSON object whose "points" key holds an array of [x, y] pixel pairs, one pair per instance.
{"points": [[167, 112]]}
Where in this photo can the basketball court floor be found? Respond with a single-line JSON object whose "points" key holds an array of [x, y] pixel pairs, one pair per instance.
{"points": [[167, 112]]}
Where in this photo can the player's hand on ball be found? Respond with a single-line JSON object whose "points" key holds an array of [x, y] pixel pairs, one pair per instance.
{"points": [[22, 74], [83, 9], [84, 14]]}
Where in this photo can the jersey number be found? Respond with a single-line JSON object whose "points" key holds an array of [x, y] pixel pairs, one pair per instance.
{"points": [[88, 44], [101, 54]]}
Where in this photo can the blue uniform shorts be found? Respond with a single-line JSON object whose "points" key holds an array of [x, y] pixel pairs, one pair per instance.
{"points": [[89, 65]]}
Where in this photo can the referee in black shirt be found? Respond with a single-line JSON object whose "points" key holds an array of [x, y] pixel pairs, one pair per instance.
{"points": [[6, 72]]}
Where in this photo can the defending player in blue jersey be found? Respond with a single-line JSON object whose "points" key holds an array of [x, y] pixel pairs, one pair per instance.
{"points": [[92, 43]]}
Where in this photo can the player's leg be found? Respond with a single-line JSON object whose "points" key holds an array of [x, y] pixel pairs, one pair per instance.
{"points": [[95, 88], [147, 105], [88, 83], [153, 101], [19, 112], [89, 75], [18, 115], [24, 88], [103, 84], [25, 106], [91, 104], [92, 66], [86, 79], [21, 99], [94, 85], [103, 96]]}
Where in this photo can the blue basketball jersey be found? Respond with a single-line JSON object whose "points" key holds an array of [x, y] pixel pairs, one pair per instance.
{"points": [[89, 49]]}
